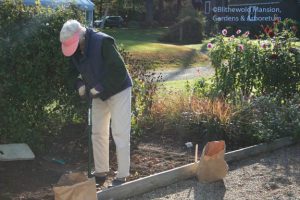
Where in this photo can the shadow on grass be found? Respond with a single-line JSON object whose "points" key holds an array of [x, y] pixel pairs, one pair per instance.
{"points": [[189, 58]]}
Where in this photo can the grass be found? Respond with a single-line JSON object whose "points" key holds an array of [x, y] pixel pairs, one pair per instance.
{"points": [[177, 85], [143, 44], [184, 109], [183, 86], [134, 39]]}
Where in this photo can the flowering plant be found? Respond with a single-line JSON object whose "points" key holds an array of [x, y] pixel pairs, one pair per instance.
{"points": [[246, 67]]}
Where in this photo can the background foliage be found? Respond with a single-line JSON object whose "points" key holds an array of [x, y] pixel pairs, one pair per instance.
{"points": [[37, 93], [189, 29]]}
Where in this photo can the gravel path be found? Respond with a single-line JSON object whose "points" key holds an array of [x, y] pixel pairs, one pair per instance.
{"points": [[185, 73], [274, 175]]}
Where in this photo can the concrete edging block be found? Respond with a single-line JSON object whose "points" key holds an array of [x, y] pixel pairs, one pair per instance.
{"points": [[148, 183], [166, 178], [257, 149]]}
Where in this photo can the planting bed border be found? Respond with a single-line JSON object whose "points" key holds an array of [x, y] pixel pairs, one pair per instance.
{"points": [[149, 183]]}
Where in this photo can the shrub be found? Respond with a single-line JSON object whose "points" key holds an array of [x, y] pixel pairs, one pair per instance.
{"points": [[244, 67], [34, 77], [190, 116], [264, 120], [188, 31], [143, 92]]}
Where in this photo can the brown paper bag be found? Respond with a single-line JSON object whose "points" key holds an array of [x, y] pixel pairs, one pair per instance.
{"points": [[75, 186], [212, 166]]}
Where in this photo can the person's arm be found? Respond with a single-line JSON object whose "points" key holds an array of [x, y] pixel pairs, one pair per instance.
{"points": [[115, 72], [75, 81], [80, 86]]}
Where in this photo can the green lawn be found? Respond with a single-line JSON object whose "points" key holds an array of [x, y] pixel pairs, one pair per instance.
{"points": [[143, 44], [178, 84], [137, 39]]}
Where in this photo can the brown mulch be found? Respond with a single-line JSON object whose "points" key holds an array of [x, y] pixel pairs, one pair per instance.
{"points": [[155, 152]]}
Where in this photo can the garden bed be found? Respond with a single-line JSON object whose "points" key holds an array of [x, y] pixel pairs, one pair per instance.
{"points": [[155, 152]]}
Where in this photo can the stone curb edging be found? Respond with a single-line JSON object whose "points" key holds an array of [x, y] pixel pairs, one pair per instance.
{"points": [[258, 149], [165, 178]]}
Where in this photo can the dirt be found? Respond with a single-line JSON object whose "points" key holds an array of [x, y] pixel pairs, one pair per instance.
{"points": [[34, 180], [154, 152]]}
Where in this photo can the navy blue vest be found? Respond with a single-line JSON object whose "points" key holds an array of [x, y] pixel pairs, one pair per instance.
{"points": [[92, 67]]}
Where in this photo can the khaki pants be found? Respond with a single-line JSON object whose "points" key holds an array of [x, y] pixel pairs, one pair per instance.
{"points": [[118, 109]]}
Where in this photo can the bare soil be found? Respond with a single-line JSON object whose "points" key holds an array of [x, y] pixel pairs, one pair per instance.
{"points": [[35, 179], [152, 153]]}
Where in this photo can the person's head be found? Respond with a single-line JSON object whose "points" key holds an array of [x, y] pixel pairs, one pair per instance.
{"points": [[70, 35]]}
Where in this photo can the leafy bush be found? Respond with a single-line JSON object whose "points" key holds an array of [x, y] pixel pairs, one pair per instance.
{"points": [[244, 67], [264, 120], [33, 74], [143, 92]]}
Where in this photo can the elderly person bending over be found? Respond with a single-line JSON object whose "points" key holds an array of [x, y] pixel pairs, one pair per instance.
{"points": [[102, 72]]}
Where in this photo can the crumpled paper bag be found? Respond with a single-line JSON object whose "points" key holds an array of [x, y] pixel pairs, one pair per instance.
{"points": [[212, 166], [75, 186]]}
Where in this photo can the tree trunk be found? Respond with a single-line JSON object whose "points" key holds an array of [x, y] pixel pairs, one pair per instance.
{"points": [[178, 7], [149, 11], [160, 10]]}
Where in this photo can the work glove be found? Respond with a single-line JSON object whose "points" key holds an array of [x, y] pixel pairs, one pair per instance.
{"points": [[81, 91], [95, 91]]}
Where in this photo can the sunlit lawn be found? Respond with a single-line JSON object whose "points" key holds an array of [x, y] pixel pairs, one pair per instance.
{"points": [[178, 84], [143, 44]]}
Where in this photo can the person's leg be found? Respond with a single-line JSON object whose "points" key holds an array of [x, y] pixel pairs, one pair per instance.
{"points": [[120, 107], [100, 136]]}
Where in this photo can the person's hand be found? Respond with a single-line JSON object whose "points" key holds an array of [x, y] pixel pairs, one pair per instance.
{"points": [[94, 92], [81, 91], [81, 87]]}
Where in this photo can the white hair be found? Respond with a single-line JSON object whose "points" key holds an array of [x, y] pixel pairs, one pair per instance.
{"points": [[69, 28]]}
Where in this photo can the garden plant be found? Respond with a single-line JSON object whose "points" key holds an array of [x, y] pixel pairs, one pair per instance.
{"points": [[38, 93]]}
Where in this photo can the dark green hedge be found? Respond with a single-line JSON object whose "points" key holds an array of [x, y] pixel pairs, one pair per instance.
{"points": [[35, 78], [37, 82]]}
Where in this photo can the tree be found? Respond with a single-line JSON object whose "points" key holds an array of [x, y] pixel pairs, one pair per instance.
{"points": [[149, 11], [160, 10], [178, 6]]}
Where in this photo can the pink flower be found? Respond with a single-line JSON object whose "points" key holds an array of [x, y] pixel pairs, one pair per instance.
{"points": [[238, 31], [210, 45], [241, 47], [246, 33], [294, 29], [264, 45], [224, 32]]}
